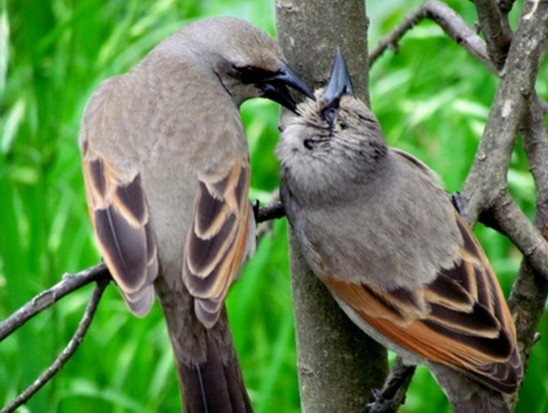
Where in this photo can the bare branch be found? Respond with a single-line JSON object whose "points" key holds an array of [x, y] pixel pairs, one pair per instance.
{"points": [[487, 178], [274, 210], [496, 29], [451, 23], [505, 6], [67, 352], [536, 148], [516, 105], [531, 290], [72, 282], [45, 299], [527, 302], [522, 232]]}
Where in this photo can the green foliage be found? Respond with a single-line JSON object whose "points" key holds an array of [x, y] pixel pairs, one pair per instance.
{"points": [[431, 98]]}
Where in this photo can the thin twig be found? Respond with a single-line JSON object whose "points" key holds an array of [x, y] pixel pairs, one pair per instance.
{"points": [[72, 282], [273, 210], [67, 352], [536, 147], [45, 299], [266, 215], [521, 232], [496, 29], [451, 23]]}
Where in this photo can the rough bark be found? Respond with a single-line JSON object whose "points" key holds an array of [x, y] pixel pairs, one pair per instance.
{"points": [[310, 31], [487, 178], [338, 365]]}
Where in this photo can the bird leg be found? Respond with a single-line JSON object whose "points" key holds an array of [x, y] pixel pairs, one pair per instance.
{"points": [[458, 203], [392, 395]]}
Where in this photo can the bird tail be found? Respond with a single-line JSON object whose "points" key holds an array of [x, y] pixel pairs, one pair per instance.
{"points": [[215, 385], [493, 403], [209, 373], [466, 396]]}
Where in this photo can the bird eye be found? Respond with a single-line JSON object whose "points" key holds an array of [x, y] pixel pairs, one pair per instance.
{"points": [[250, 74]]}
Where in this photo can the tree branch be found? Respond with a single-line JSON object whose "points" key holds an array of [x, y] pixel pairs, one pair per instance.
{"points": [[487, 178], [67, 352], [273, 210], [521, 232], [498, 35], [516, 105], [505, 6], [531, 290], [536, 148], [451, 23], [99, 272], [69, 283]]}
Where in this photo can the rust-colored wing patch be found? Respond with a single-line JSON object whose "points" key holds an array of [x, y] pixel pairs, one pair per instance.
{"points": [[217, 240], [461, 319]]}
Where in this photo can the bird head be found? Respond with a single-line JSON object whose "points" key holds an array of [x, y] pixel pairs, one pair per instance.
{"points": [[247, 61], [333, 138]]}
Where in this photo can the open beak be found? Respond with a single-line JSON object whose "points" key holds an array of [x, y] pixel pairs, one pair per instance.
{"points": [[276, 87], [339, 81]]}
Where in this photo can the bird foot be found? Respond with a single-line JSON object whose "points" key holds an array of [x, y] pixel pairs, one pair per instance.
{"points": [[380, 404], [458, 203]]}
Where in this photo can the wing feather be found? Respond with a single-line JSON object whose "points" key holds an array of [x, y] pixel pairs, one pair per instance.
{"points": [[218, 240], [461, 319], [123, 230]]}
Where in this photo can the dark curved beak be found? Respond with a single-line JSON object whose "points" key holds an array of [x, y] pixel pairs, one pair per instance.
{"points": [[276, 87], [339, 82]]}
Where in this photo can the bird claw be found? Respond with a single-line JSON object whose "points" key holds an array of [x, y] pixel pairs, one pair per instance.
{"points": [[458, 203], [380, 404], [256, 206]]}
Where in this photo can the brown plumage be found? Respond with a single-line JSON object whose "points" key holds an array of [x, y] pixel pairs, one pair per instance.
{"points": [[377, 228], [166, 171]]}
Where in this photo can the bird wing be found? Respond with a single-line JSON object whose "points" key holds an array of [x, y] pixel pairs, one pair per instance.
{"points": [[217, 240], [120, 218], [460, 319]]}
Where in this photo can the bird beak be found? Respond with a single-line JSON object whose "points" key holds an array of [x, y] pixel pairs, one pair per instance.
{"points": [[275, 87], [339, 81]]}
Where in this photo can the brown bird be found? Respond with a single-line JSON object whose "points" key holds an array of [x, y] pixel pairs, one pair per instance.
{"points": [[377, 228], [166, 171]]}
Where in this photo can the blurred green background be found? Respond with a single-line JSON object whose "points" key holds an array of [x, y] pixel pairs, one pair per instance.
{"points": [[432, 99]]}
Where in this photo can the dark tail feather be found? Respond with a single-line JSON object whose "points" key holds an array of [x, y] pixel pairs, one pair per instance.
{"points": [[216, 385], [209, 374]]}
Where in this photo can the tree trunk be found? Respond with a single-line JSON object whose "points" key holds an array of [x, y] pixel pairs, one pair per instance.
{"points": [[338, 365]]}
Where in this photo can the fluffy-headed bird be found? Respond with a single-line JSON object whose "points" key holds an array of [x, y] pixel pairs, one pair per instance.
{"points": [[166, 172], [376, 227]]}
